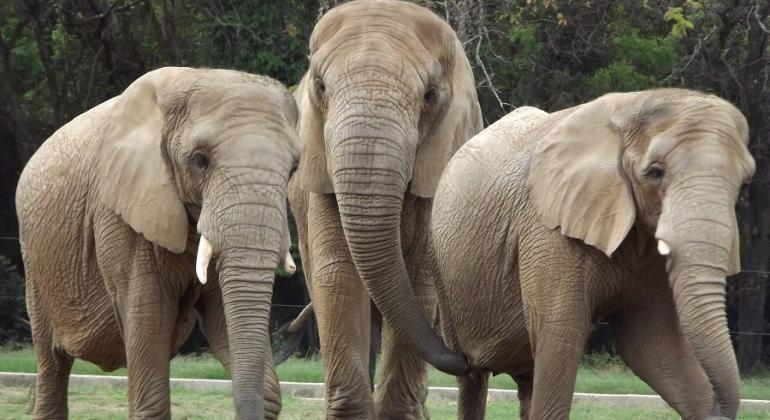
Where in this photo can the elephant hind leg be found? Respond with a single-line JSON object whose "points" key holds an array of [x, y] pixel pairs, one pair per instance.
{"points": [[473, 394], [524, 384], [650, 341], [53, 370]]}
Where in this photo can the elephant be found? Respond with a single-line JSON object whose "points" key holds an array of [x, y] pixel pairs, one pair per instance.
{"points": [[110, 211], [621, 209], [388, 97]]}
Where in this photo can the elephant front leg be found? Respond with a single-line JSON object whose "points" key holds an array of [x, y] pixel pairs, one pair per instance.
{"points": [[401, 391], [342, 309], [650, 341], [557, 345], [402, 388], [149, 328], [53, 366]]}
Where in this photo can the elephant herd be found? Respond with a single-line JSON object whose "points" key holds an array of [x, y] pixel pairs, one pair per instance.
{"points": [[491, 251]]}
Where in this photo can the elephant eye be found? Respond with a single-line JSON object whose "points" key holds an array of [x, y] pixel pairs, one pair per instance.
{"points": [[654, 172], [430, 96], [319, 88], [200, 160]]}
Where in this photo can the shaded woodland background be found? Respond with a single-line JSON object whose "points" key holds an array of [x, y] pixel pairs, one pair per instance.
{"points": [[59, 58]]}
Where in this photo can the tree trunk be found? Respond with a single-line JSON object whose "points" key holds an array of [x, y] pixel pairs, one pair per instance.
{"points": [[169, 33], [42, 30]]}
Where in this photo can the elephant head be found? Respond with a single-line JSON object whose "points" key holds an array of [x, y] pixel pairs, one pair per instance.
{"points": [[388, 98], [671, 162], [213, 148]]}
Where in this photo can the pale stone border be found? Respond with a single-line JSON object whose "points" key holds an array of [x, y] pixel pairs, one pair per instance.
{"points": [[315, 390]]}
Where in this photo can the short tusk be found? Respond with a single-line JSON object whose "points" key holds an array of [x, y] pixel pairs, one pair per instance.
{"points": [[288, 264], [663, 248], [203, 258]]}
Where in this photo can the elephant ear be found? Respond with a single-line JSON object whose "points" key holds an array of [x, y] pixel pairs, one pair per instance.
{"points": [[312, 171], [575, 180], [135, 181], [461, 121]]}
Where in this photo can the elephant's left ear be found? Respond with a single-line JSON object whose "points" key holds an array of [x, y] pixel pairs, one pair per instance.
{"points": [[575, 181], [461, 121], [313, 172], [135, 181]]}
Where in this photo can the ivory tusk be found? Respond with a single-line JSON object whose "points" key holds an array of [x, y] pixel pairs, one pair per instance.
{"points": [[288, 264], [203, 258], [663, 248]]}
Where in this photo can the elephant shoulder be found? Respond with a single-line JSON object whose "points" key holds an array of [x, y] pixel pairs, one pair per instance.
{"points": [[504, 137], [64, 157]]}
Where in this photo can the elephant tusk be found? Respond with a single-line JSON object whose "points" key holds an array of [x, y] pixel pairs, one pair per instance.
{"points": [[663, 248], [203, 258], [288, 264]]}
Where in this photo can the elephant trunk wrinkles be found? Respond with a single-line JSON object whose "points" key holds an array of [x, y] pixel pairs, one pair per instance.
{"points": [[370, 171], [247, 288], [248, 246], [697, 269]]}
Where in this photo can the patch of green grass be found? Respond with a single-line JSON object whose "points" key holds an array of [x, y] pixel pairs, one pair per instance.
{"points": [[111, 403], [598, 373]]}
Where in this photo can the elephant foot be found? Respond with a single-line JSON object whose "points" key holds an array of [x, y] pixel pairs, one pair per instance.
{"points": [[411, 413], [341, 405]]}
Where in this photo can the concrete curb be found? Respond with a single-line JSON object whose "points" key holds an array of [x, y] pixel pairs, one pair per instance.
{"points": [[315, 390]]}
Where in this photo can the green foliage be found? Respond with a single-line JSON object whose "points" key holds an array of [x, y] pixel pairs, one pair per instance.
{"points": [[681, 25], [682, 22], [257, 37]]}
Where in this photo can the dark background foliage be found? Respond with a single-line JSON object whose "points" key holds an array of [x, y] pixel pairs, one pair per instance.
{"points": [[59, 58]]}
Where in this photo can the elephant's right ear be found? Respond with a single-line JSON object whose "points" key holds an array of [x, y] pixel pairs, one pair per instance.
{"points": [[135, 181], [575, 180], [312, 171]]}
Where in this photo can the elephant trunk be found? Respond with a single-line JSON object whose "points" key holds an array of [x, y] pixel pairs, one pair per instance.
{"points": [[700, 230], [247, 241], [371, 165]]}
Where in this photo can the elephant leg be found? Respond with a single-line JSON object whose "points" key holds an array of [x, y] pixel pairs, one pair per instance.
{"points": [[402, 388], [212, 322], [557, 348], [53, 369], [214, 327], [649, 340], [149, 329], [342, 308], [524, 384], [472, 401]]}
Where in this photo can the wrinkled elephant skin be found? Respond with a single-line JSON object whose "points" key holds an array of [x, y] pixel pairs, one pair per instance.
{"points": [[110, 211], [388, 98], [621, 208]]}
